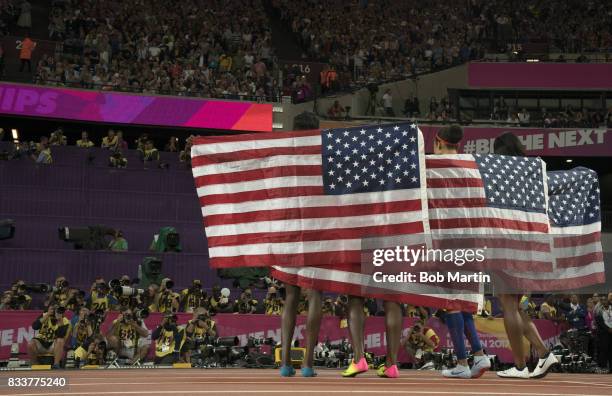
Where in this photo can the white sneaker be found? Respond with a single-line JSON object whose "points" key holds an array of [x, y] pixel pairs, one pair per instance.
{"points": [[514, 373], [458, 372], [482, 364], [541, 369], [428, 366]]}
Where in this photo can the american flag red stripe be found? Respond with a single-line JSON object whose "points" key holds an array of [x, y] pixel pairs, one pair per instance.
{"points": [[457, 202], [264, 195]]}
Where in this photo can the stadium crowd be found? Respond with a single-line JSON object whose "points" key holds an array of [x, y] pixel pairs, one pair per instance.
{"points": [[218, 49], [42, 151], [214, 49]]}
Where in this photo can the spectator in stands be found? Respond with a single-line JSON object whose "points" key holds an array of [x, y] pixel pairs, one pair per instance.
{"points": [[603, 325], [25, 53], [172, 145], [84, 141], [387, 100], [411, 107], [336, 111], [117, 160], [118, 243], [58, 138], [149, 153], [576, 313], [121, 143], [42, 154], [53, 331], [110, 140], [513, 118], [25, 15], [185, 155], [524, 117], [127, 336]]}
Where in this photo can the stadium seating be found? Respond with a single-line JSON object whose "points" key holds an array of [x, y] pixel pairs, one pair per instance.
{"points": [[79, 193]]}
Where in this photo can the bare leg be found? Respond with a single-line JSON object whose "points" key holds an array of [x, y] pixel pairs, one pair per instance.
{"points": [[58, 351], [33, 351], [513, 323], [393, 326], [356, 323], [313, 325], [292, 298], [143, 350], [531, 333]]}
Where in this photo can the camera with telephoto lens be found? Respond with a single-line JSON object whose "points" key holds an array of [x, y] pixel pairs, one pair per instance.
{"points": [[122, 290], [254, 342]]}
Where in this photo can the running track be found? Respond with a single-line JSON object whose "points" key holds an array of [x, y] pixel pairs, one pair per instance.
{"points": [[329, 382]]}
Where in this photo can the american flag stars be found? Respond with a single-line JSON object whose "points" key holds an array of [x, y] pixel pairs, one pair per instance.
{"points": [[368, 159], [574, 197], [512, 182]]}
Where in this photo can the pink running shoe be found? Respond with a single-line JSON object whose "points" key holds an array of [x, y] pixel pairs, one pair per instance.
{"points": [[387, 372], [356, 368]]}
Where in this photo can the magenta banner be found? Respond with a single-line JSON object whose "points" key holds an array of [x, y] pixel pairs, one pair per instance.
{"points": [[16, 327], [540, 75], [122, 108], [565, 142]]}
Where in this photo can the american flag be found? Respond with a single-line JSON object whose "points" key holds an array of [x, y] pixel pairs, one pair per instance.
{"points": [[469, 206], [575, 220], [309, 197]]}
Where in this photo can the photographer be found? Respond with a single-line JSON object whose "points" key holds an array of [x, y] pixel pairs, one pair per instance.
{"points": [[196, 330], [127, 336], [329, 307], [125, 302], [59, 293], [96, 351], [100, 297], [273, 304], [76, 300], [16, 299], [246, 304], [420, 340], [169, 340], [194, 297], [82, 329], [53, 331], [167, 301]]}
